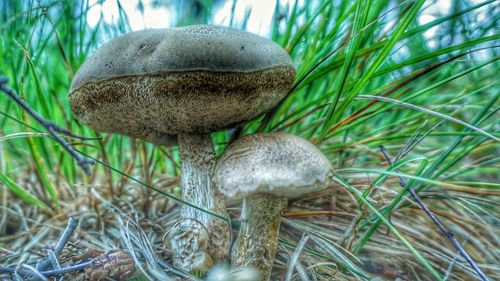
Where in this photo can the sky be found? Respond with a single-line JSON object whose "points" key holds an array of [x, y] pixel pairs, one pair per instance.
{"points": [[159, 17], [259, 21]]}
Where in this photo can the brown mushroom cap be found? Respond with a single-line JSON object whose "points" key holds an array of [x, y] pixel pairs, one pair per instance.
{"points": [[154, 84], [275, 163]]}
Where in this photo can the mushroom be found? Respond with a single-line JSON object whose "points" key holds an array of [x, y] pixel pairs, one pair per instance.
{"points": [[266, 170], [176, 86]]}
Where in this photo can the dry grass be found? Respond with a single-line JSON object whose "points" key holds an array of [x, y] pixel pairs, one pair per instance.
{"points": [[330, 219]]}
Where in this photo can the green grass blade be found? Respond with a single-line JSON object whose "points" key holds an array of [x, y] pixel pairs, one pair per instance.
{"points": [[408, 18], [430, 112], [414, 251], [22, 193]]}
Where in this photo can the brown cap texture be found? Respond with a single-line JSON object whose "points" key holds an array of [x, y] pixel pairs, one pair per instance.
{"points": [[275, 163], [156, 83]]}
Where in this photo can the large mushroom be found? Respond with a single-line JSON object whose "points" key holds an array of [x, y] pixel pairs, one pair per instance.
{"points": [[178, 85], [266, 170]]}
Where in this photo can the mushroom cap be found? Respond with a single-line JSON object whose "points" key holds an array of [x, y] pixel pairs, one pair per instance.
{"points": [[275, 163], [157, 83]]}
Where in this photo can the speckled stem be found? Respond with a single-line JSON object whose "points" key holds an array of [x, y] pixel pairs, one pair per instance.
{"points": [[198, 159], [258, 236]]}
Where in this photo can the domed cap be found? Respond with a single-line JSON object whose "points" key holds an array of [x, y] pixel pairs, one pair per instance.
{"points": [[156, 83], [276, 163]]}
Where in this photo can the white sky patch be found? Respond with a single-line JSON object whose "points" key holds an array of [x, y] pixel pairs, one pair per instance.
{"points": [[430, 13], [156, 17], [431, 32], [259, 21], [261, 14]]}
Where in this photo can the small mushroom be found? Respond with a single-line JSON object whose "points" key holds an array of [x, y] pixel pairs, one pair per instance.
{"points": [[266, 170], [178, 85]]}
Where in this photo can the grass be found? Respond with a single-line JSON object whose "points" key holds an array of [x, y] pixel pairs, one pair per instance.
{"points": [[366, 76]]}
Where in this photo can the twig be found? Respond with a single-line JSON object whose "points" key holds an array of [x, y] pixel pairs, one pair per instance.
{"points": [[36, 273], [42, 275], [51, 127], [68, 269], [66, 235], [25, 270], [436, 221]]}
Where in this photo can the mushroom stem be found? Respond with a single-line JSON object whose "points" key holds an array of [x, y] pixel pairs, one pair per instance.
{"points": [[257, 239], [198, 160]]}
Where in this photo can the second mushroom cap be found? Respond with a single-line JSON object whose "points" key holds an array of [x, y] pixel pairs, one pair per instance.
{"points": [[276, 163]]}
